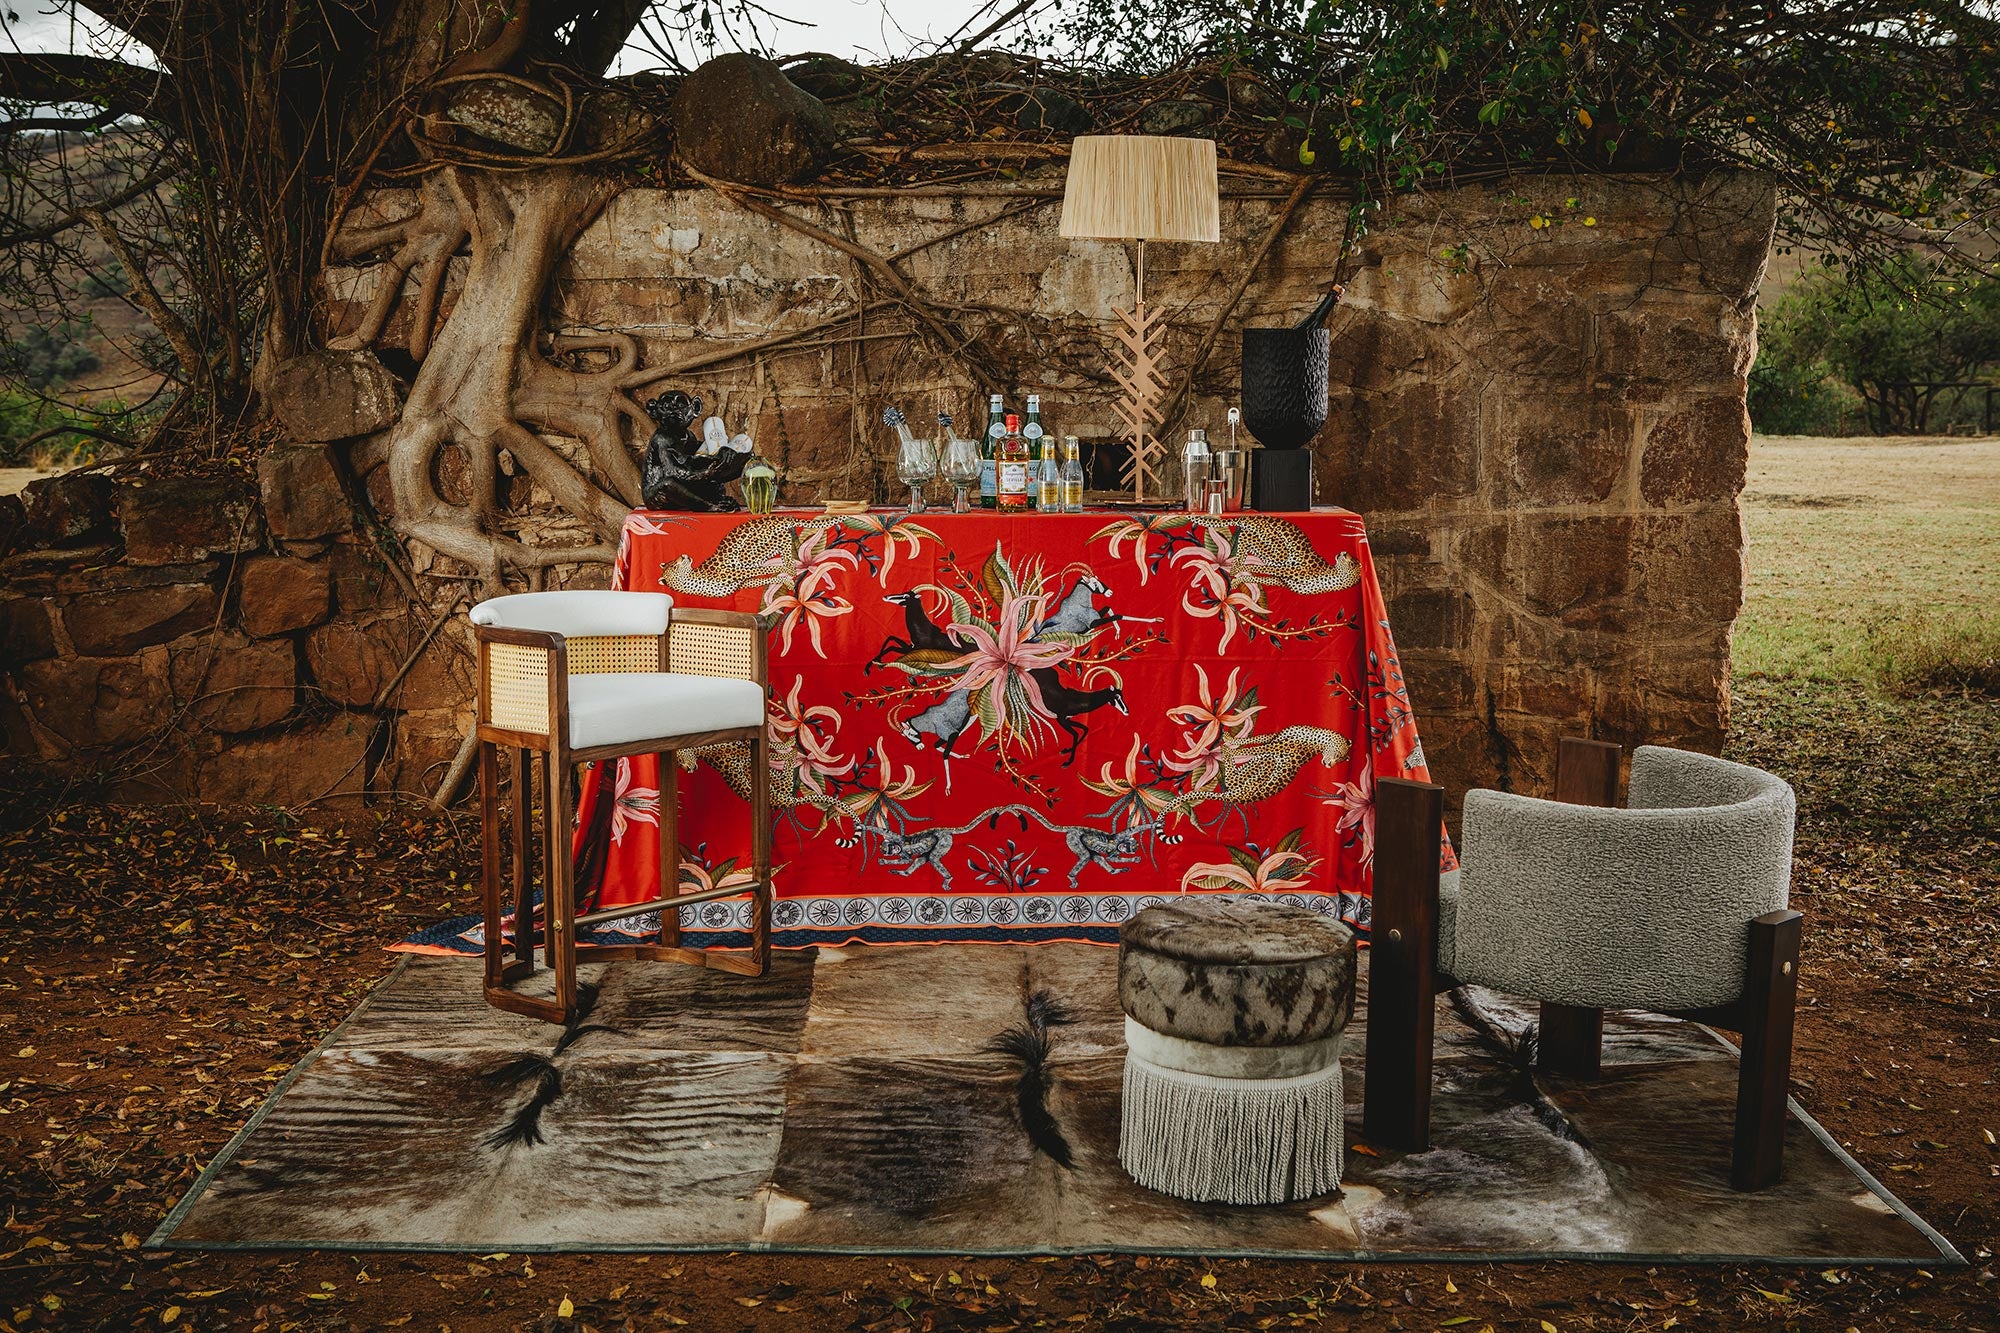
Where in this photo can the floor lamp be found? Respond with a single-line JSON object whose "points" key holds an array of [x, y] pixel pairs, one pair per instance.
{"points": [[1133, 187]]}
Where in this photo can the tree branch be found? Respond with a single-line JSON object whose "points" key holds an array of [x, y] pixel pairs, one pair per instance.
{"points": [[57, 79], [151, 181]]}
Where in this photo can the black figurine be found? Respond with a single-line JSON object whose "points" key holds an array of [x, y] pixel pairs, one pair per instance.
{"points": [[676, 474]]}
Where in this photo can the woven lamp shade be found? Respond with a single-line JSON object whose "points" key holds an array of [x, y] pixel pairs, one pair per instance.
{"points": [[1136, 187]]}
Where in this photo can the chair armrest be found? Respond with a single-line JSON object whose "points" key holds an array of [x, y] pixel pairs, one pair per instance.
{"points": [[523, 676], [701, 642]]}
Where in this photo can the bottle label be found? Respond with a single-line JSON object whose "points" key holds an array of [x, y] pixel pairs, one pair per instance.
{"points": [[1073, 495], [988, 484], [1013, 478], [1033, 430], [996, 429]]}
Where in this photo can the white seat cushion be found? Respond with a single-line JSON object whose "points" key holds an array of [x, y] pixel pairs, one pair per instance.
{"points": [[578, 613], [619, 707]]}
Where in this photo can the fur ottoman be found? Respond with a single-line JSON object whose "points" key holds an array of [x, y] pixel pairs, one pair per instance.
{"points": [[1234, 1010]]}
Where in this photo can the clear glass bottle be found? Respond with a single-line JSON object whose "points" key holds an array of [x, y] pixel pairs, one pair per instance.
{"points": [[1072, 476], [1012, 488], [989, 449], [1048, 479]]}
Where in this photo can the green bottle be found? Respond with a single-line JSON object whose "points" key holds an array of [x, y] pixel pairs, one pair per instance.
{"points": [[1032, 432], [989, 448]]}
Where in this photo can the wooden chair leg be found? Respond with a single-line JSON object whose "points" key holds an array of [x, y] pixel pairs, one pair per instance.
{"points": [[670, 846], [1570, 1038], [1770, 999], [489, 862], [1402, 964], [558, 893], [760, 835], [524, 878]]}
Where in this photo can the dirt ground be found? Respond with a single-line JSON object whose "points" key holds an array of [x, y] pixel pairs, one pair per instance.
{"points": [[161, 969]]}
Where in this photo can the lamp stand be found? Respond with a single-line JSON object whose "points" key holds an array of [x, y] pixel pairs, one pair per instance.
{"points": [[1142, 382]]}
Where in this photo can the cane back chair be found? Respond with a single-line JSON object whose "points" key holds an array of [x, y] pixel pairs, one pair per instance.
{"points": [[580, 676]]}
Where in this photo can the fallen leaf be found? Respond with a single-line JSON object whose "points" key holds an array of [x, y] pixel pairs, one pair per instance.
{"points": [[1208, 1280], [170, 1314], [568, 1307]]}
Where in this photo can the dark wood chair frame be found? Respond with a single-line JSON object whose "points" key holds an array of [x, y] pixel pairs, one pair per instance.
{"points": [[557, 760], [1404, 981]]}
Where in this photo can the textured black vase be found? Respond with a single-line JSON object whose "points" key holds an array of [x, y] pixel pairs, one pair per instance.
{"points": [[1284, 405], [1284, 385]]}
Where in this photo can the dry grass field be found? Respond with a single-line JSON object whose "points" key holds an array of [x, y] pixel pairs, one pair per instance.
{"points": [[1873, 560]]}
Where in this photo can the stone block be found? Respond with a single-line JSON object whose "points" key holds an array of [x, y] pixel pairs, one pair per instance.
{"points": [[278, 595], [121, 620], [1572, 568], [324, 396], [1690, 570], [70, 509], [508, 113], [1400, 451], [739, 118], [228, 682], [303, 495], [1442, 618], [175, 520], [311, 762], [120, 576], [1692, 346], [362, 581], [26, 632], [40, 571], [1558, 447], [13, 518], [1698, 453], [351, 662], [95, 702]]}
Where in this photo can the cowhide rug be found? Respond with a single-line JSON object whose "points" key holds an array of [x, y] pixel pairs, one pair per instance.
{"points": [[875, 1099]]}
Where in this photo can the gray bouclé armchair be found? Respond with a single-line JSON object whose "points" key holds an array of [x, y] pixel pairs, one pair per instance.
{"points": [[1676, 903]]}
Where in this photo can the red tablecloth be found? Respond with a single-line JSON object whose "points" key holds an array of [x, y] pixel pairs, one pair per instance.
{"points": [[997, 728]]}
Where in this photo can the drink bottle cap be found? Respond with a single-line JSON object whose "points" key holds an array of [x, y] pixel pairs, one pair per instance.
{"points": [[1034, 401], [996, 400], [1013, 422]]}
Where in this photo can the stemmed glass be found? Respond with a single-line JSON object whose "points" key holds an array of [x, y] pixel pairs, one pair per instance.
{"points": [[961, 469], [916, 463]]}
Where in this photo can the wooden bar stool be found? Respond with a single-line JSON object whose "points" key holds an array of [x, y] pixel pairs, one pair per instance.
{"points": [[581, 676]]}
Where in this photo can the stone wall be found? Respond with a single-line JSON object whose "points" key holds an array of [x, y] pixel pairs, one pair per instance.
{"points": [[1538, 403]]}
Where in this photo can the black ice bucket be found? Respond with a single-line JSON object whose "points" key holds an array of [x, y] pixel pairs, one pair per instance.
{"points": [[1284, 405]]}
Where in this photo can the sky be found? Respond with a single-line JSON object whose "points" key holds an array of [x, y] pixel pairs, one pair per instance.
{"points": [[858, 29]]}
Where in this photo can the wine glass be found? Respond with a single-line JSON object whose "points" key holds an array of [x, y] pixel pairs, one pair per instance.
{"points": [[961, 469], [916, 463]]}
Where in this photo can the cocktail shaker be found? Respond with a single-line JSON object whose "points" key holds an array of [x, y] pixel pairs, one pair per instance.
{"points": [[1197, 469]]}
